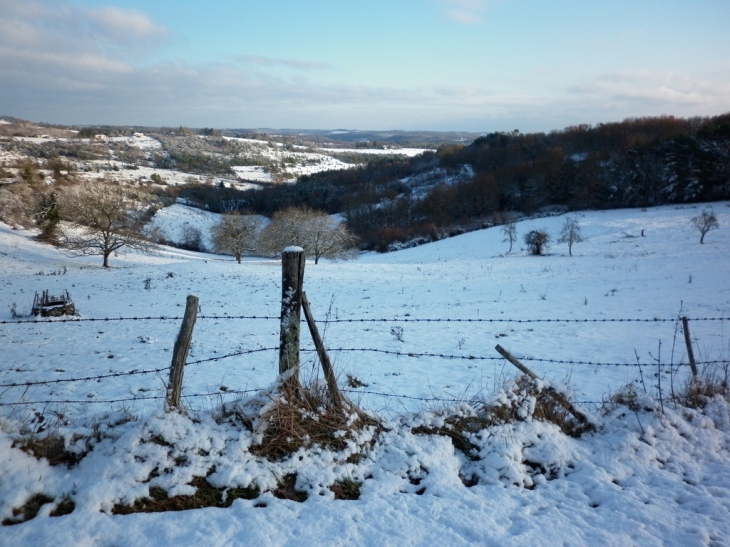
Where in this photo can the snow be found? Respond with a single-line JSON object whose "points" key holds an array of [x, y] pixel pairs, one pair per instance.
{"points": [[170, 221], [143, 142], [645, 477], [294, 161], [252, 173], [410, 152]]}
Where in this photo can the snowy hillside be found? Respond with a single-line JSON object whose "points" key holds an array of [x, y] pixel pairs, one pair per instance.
{"points": [[415, 332]]}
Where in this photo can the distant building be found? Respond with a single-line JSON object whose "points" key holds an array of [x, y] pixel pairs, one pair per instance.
{"points": [[138, 135], [100, 138]]}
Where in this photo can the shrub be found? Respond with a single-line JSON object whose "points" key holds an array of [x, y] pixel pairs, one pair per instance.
{"points": [[537, 241]]}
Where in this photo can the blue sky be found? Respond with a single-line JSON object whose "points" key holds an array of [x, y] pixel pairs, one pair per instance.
{"points": [[471, 65]]}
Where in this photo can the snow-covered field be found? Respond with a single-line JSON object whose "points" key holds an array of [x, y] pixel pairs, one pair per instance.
{"points": [[643, 479]]}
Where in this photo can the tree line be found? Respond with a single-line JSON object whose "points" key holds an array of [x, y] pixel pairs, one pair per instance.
{"points": [[638, 162]]}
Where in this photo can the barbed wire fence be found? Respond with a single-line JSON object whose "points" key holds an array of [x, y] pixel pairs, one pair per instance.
{"points": [[50, 323], [293, 300]]}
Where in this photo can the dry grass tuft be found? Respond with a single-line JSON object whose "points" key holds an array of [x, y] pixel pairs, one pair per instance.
{"points": [[300, 417], [28, 511], [346, 489], [50, 447], [629, 397], [286, 489], [525, 399], [540, 402], [65, 507], [713, 381], [206, 496]]}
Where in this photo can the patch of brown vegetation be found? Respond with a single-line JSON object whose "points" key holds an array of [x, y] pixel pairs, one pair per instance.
{"points": [[205, 496]]}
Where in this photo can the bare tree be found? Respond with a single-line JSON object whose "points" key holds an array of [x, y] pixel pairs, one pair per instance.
{"points": [[510, 233], [192, 238], [315, 231], [236, 234], [705, 222], [570, 234], [16, 205], [107, 220]]}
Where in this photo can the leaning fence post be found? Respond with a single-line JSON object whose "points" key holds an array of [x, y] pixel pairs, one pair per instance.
{"points": [[329, 373], [292, 279], [556, 395], [180, 353], [690, 353]]}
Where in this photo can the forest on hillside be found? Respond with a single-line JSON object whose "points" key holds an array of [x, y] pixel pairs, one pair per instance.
{"points": [[639, 162]]}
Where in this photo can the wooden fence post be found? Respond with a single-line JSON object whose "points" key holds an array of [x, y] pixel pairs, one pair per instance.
{"points": [[690, 353], [329, 374], [180, 353], [292, 279]]}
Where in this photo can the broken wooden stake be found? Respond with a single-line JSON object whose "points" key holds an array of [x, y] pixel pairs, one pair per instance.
{"points": [[559, 397]]}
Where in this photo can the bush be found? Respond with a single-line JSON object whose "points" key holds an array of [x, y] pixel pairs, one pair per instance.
{"points": [[537, 241]]}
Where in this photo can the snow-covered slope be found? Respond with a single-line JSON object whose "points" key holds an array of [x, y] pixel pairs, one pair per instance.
{"points": [[511, 299], [644, 479]]}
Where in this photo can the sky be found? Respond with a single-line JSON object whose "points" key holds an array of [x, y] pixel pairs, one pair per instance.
{"points": [[446, 65]]}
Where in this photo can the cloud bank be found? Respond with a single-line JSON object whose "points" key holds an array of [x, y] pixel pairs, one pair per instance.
{"points": [[65, 63]]}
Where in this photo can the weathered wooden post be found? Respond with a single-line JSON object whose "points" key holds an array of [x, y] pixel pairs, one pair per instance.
{"points": [[292, 279], [690, 353], [180, 352], [329, 373]]}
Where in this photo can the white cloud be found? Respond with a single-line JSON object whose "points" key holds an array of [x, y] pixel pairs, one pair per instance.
{"points": [[653, 90], [125, 24], [468, 12], [37, 28]]}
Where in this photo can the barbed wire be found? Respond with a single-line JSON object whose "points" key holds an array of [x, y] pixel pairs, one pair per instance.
{"points": [[129, 373], [44, 321], [97, 378], [85, 378], [597, 364], [435, 399], [512, 320], [240, 392], [409, 354], [358, 320], [127, 399], [235, 354], [499, 358], [334, 350]]}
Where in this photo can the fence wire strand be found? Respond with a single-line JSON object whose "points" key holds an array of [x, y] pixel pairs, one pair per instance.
{"points": [[46, 321], [398, 354]]}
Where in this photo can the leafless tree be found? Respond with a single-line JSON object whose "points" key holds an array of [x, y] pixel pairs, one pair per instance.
{"points": [[510, 233], [192, 238], [236, 234], [16, 205], [570, 234], [315, 231], [106, 220], [705, 222]]}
